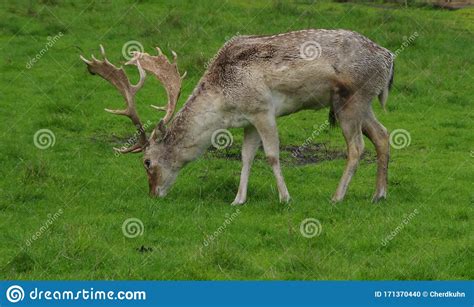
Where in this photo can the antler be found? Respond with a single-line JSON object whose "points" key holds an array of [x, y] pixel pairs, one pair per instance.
{"points": [[118, 78], [167, 73]]}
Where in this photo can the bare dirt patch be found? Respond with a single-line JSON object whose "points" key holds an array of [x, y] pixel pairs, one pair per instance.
{"points": [[232, 153], [295, 155], [319, 152], [312, 153], [452, 5]]}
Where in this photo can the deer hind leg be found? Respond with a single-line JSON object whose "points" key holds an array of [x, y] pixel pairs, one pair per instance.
{"points": [[249, 148], [378, 134], [349, 114], [267, 128]]}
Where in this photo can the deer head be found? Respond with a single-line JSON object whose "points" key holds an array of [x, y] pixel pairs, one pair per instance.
{"points": [[158, 164]]}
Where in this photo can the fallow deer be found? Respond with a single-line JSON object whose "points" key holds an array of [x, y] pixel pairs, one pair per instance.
{"points": [[249, 83]]}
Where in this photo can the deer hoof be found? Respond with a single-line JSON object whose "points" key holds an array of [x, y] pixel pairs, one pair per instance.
{"points": [[336, 199], [238, 202], [379, 197], [285, 199]]}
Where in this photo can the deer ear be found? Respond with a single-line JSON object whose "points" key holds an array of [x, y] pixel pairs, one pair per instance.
{"points": [[154, 137], [161, 127], [158, 133]]}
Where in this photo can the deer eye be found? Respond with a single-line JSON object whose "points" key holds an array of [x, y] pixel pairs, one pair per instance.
{"points": [[147, 163]]}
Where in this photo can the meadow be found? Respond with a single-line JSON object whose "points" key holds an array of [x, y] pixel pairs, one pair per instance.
{"points": [[64, 201]]}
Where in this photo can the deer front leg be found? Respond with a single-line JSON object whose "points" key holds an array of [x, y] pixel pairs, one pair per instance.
{"points": [[249, 148], [267, 128]]}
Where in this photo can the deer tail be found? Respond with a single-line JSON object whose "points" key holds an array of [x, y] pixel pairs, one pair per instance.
{"points": [[384, 94]]}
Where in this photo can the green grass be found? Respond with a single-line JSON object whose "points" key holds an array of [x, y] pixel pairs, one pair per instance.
{"points": [[432, 99]]}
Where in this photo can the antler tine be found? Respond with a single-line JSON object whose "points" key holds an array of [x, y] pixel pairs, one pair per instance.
{"points": [[102, 51], [140, 83], [117, 77], [175, 56], [118, 112], [85, 60], [133, 149], [158, 108]]}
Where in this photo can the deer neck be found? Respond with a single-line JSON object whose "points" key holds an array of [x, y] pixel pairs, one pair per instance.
{"points": [[191, 131]]}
